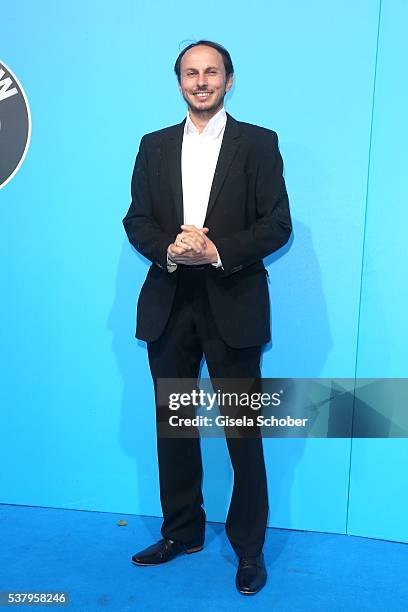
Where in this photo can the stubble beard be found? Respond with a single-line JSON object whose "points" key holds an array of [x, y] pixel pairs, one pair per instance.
{"points": [[206, 113]]}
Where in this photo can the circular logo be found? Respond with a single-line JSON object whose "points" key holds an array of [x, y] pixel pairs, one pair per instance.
{"points": [[15, 125]]}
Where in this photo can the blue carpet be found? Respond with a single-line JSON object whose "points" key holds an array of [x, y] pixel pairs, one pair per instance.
{"points": [[88, 555]]}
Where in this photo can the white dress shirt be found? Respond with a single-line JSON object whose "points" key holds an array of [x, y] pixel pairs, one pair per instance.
{"points": [[199, 156]]}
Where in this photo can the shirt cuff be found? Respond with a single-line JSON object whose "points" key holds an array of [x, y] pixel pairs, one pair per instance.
{"points": [[219, 262], [171, 265]]}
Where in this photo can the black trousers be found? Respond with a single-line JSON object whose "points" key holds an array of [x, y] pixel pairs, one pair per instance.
{"points": [[190, 334]]}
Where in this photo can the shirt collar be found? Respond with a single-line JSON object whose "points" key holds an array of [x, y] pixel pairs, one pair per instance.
{"points": [[213, 128]]}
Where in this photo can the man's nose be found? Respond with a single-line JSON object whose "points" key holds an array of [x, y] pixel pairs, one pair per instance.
{"points": [[202, 80]]}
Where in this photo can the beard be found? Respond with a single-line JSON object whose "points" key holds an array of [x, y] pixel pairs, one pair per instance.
{"points": [[209, 111]]}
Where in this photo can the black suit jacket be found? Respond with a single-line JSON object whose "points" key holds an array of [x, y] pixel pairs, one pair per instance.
{"points": [[248, 218]]}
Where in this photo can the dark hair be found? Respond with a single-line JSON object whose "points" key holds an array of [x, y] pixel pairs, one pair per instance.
{"points": [[229, 68]]}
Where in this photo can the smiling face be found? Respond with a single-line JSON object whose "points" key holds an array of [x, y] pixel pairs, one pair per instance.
{"points": [[203, 82]]}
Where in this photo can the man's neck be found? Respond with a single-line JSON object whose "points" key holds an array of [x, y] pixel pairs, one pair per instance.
{"points": [[200, 119]]}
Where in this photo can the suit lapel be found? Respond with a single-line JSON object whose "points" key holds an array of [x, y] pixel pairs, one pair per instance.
{"points": [[228, 149]]}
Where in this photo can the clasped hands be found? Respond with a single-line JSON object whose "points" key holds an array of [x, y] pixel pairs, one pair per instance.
{"points": [[192, 247]]}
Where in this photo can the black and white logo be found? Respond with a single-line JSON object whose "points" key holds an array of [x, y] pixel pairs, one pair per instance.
{"points": [[15, 125]]}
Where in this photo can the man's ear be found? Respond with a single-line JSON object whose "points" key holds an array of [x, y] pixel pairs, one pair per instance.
{"points": [[229, 82]]}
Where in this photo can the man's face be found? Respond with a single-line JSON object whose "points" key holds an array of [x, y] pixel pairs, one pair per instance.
{"points": [[202, 80]]}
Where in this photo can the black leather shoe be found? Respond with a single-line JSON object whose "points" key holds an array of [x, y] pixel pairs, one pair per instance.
{"points": [[165, 550], [251, 575]]}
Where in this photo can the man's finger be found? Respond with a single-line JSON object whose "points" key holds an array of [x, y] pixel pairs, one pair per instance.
{"points": [[196, 242], [183, 244], [193, 228], [189, 257], [179, 241], [174, 249], [195, 239]]}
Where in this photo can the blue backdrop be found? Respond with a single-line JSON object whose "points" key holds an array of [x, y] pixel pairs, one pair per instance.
{"points": [[77, 414]]}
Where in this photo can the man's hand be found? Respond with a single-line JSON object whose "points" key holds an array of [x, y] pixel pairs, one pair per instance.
{"points": [[192, 238], [192, 247]]}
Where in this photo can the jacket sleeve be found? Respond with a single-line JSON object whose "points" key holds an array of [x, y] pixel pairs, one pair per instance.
{"points": [[272, 227], [142, 229]]}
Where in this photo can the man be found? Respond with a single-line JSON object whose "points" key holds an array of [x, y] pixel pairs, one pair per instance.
{"points": [[209, 202]]}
